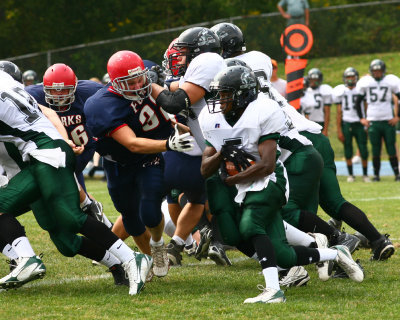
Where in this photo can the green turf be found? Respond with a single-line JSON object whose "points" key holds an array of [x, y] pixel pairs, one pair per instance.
{"points": [[73, 289]]}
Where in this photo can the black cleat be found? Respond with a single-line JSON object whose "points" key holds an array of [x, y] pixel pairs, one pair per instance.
{"points": [[119, 275], [174, 251], [345, 239], [204, 244], [382, 249]]}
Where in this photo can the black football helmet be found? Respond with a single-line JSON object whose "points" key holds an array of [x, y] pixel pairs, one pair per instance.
{"points": [[316, 75], [12, 69], [191, 43], [350, 77], [238, 85], [377, 65], [29, 77], [230, 62], [231, 38]]}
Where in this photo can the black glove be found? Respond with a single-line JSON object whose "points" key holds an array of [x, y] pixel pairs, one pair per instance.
{"points": [[157, 75], [238, 157]]}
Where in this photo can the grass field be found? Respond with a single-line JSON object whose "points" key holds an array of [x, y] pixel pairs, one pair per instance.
{"points": [[73, 289]]}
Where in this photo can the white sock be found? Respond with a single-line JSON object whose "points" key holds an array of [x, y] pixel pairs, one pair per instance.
{"points": [[156, 243], [189, 240], [179, 241], [271, 278], [85, 202], [109, 260], [327, 254], [22, 247], [295, 237], [9, 252], [121, 251]]}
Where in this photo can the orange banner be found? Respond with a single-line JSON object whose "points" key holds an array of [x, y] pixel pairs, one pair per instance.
{"points": [[294, 69]]}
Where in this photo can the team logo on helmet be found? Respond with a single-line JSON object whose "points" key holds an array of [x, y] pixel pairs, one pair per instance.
{"points": [[205, 38], [247, 80], [134, 71]]}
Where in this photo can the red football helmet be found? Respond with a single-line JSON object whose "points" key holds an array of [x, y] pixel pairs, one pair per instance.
{"points": [[170, 59], [128, 75], [59, 85]]}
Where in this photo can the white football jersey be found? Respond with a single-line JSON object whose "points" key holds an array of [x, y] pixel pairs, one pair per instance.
{"points": [[300, 122], [21, 121], [346, 97], [260, 63], [379, 96], [280, 86], [201, 71], [262, 117], [323, 96]]}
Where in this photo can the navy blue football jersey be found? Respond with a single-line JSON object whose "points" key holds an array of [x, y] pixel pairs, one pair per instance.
{"points": [[107, 111], [74, 119]]}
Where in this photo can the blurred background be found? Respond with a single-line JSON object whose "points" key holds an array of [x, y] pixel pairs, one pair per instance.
{"points": [[84, 34]]}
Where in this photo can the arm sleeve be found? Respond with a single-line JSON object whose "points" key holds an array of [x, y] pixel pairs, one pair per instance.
{"points": [[357, 104]]}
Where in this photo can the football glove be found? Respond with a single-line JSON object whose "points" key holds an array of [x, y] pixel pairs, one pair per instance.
{"points": [[157, 75], [238, 157], [179, 142]]}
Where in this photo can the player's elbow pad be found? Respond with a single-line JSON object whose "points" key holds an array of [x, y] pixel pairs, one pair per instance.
{"points": [[173, 102]]}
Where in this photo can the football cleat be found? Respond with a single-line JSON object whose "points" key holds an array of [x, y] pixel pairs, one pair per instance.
{"points": [[364, 242], [119, 275], [339, 272], [324, 268], [27, 269], [174, 251], [190, 249], [137, 270], [95, 210], [366, 179], [160, 260], [345, 239], [351, 179], [204, 244], [217, 254], [376, 179], [268, 295], [382, 249], [346, 262], [296, 277]]}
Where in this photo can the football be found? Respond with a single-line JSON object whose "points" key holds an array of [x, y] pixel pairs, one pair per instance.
{"points": [[231, 169]]}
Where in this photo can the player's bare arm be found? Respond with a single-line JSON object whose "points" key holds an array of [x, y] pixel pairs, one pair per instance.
{"points": [[339, 123], [210, 161]]}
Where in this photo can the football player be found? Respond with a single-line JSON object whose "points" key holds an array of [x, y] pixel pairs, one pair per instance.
{"points": [[381, 118], [197, 60], [323, 95], [132, 131], [243, 124], [29, 77], [66, 95], [348, 122], [330, 197], [46, 164]]}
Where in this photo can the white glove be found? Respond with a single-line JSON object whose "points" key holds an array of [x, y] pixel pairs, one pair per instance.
{"points": [[180, 142]]}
